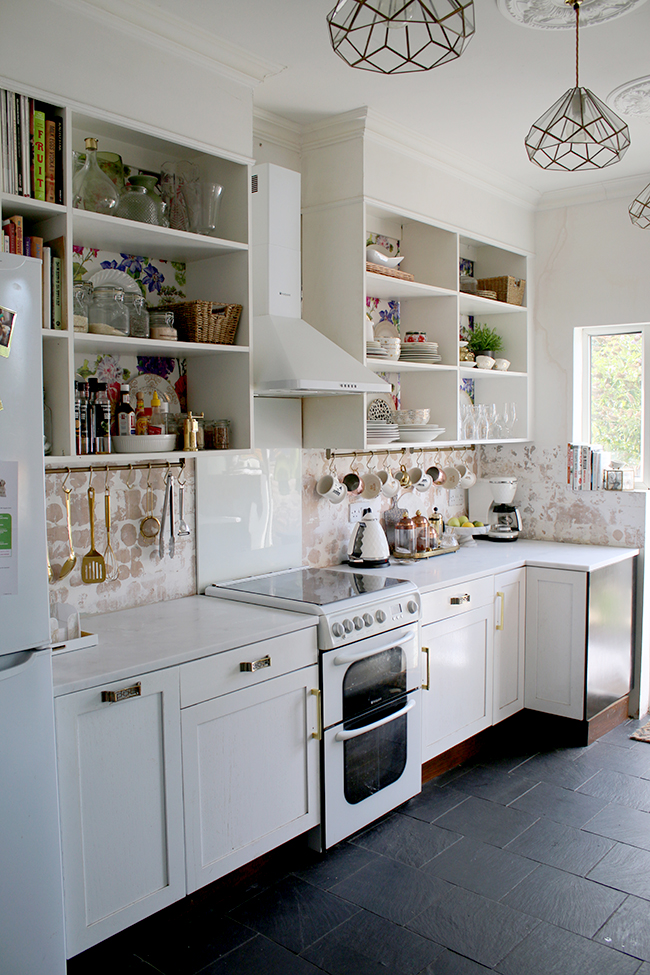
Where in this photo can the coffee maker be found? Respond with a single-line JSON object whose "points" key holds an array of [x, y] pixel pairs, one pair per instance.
{"points": [[503, 518]]}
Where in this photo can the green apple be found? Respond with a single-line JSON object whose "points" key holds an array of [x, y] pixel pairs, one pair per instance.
{"points": [[479, 524], [464, 520], [454, 523]]}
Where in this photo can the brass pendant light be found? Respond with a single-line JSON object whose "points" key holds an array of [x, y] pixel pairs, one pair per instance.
{"points": [[578, 132], [400, 36]]}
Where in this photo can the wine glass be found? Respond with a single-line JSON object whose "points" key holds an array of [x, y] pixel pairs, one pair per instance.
{"points": [[509, 417]]}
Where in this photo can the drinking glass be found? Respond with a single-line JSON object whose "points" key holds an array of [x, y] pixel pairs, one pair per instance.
{"points": [[509, 418], [202, 200], [482, 423]]}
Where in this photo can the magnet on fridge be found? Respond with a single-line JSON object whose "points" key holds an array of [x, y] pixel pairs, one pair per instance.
{"points": [[7, 323]]}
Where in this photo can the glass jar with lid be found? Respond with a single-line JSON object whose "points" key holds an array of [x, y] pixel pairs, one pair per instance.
{"points": [[422, 532], [217, 435], [108, 315], [81, 297], [405, 536], [161, 324], [138, 316]]}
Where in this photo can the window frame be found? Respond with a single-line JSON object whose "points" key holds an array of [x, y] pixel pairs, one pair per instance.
{"points": [[582, 386]]}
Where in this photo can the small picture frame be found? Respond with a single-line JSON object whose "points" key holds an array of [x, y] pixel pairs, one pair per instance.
{"points": [[7, 323], [613, 480]]}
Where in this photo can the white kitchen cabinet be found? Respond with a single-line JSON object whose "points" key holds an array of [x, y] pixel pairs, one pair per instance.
{"points": [[250, 753], [458, 654], [556, 620], [120, 786], [509, 643]]}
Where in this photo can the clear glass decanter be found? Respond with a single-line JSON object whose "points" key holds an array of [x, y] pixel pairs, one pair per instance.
{"points": [[91, 188]]}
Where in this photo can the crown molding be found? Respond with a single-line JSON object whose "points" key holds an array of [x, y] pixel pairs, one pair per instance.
{"points": [[335, 129], [612, 189], [276, 129], [173, 35]]}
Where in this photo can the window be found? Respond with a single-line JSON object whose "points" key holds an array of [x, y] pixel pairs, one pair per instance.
{"points": [[610, 393]]}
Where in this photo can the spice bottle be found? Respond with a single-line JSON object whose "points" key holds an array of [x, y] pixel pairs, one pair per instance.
{"points": [[141, 420], [125, 414], [159, 415], [81, 417], [102, 420]]}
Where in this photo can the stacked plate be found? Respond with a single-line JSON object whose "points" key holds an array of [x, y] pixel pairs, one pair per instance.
{"points": [[419, 432], [375, 351], [425, 352], [382, 433]]}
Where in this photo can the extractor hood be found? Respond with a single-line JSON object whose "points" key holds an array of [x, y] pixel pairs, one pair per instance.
{"points": [[291, 357]]}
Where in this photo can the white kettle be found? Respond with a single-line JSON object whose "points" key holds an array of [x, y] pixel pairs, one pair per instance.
{"points": [[368, 546]]}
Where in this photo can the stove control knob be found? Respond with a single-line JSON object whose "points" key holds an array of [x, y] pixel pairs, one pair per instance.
{"points": [[367, 619], [348, 626], [412, 606], [358, 623], [338, 630], [380, 616]]}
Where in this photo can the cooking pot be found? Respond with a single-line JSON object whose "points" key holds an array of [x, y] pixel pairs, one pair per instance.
{"points": [[368, 546]]}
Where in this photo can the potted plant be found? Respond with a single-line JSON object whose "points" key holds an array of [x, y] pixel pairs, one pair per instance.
{"points": [[483, 340]]}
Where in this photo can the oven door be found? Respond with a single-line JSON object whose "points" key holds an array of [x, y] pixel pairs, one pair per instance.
{"points": [[371, 764]]}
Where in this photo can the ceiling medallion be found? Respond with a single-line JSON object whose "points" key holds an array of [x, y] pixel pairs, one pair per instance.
{"points": [[554, 14], [400, 36], [632, 98]]}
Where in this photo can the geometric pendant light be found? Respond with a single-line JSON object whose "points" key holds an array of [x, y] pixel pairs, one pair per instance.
{"points": [[639, 209], [578, 132], [400, 36]]}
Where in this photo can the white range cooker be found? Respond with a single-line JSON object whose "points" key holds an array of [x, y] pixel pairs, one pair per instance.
{"points": [[370, 683]]}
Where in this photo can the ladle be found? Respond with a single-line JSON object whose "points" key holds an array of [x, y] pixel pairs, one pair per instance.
{"points": [[150, 525]]}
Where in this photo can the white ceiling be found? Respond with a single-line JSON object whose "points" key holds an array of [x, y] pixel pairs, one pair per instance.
{"points": [[480, 105]]}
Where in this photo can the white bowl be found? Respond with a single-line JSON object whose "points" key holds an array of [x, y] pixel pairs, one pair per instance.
{"points": [[151, 443], [501, 364], [484, 362], [379, 257]]}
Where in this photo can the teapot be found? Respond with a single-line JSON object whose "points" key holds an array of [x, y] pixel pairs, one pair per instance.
{"points": [[368, 546]]}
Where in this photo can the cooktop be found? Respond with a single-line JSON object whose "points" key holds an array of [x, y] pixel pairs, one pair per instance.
{"points": [[314, 587]]}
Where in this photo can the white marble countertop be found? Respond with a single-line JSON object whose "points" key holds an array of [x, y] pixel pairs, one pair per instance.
{"points": [[137, 641]]}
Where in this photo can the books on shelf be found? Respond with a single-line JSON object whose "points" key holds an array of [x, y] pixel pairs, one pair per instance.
{"points": [[31, 133], [586, 464]]}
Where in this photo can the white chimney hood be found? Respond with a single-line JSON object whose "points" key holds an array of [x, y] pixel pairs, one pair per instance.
{"points": [[291, 357]]}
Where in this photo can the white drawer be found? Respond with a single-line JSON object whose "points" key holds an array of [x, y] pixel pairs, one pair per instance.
{"points": [[460, 598], [221, 673]]}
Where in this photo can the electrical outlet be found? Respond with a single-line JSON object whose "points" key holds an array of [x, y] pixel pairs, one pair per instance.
{"points": [[356, 511]]}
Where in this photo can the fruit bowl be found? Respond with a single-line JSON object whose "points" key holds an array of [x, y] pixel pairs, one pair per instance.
{"points": [[465, 533]]}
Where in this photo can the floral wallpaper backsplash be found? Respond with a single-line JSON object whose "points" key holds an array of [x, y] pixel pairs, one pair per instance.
{"points": [[326, 528], [552, 511], [159, 281], [139, 574]]}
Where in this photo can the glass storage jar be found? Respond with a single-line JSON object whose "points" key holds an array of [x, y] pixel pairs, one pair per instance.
{"points": [[217, 435], [405, 536], [81, 297], [161, 324], [138, 316], [142, 201], [422, 532], [108, 314]]}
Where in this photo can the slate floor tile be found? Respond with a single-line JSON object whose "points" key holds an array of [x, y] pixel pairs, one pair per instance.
{"points": [[553, 951], [621, 734], [371, 945], [433, 802], [619, 788], [294, 913], [406, 839], [628, 929], [338, 863], [486, 821], [480, 867], [560, 805], [495, 784], [187, 946], [261, 957], [621, 823], [561, 846], [632, 761], [391, 889], [557, 769], [449, 963], [571, 902], [474, 926], [101, 958], [624, 868]]}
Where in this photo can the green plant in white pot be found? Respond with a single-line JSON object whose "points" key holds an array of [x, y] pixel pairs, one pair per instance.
{"points": [[483, 340]]}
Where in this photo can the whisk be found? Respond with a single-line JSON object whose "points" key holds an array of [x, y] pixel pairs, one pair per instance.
{"points": [[109, 555]]}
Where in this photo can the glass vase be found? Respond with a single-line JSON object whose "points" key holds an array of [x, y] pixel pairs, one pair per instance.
{"points": [[91, 188]]}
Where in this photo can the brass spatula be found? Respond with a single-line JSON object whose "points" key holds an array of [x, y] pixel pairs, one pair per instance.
{"points": [[93, 566]]}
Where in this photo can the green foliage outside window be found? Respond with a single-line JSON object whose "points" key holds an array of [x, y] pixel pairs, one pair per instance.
{"points": [[616, 395]]}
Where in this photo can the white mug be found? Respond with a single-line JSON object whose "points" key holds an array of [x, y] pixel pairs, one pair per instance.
{"points": [[390, 486], [468, 478], [452, 477], [420, 480], [331, 489], [372, 485]]}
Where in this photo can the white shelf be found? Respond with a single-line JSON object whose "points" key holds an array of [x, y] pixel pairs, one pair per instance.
{"points": [[34, 209], [475, 305], [394, 365], [134, 346], [473, 372], [388, 288]]}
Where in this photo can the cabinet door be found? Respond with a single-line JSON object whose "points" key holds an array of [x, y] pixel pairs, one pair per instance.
{"points": [[121, 806], [509, 643], [556, 608], [458, 701], [250, 765]]}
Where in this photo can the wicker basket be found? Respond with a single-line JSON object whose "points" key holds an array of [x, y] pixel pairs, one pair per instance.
{"points": [[390, 272], [507, 288], [206, 321]]}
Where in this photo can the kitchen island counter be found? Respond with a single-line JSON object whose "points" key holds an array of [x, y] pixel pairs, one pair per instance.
{"points": [[147, 638]]}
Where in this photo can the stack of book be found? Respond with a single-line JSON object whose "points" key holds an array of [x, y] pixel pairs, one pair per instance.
{"points": [[51, 253], [586, 464], [32, 147]]}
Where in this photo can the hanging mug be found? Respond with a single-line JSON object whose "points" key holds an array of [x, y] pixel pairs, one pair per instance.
{"points": [[331, 489], [389, 486], [402, 476], [420, 480], [353, 483], [372, 485], [437, 475]]}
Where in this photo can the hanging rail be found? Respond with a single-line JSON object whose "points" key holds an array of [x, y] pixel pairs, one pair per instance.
{"points": [[333, 454], [105, 466]]}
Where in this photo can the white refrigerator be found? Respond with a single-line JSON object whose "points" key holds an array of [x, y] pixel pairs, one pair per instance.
{"points": [[32, 938]]}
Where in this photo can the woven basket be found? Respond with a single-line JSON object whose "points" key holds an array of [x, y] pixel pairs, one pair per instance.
{"points": [[390, 272], [507, 288], [206, 321]]}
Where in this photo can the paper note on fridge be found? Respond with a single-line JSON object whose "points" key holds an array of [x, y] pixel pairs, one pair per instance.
{"points": [[8, 528]]}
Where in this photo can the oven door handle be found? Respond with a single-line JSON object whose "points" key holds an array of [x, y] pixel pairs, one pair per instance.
{"points": [[346, 735], [393, 638]]}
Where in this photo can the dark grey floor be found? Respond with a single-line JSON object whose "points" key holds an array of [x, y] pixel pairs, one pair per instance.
{"points": [[525, 863]]}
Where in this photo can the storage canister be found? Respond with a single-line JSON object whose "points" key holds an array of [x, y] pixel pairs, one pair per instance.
{"points": [[108, 314], [81, 297], [138, 316], [405, 537]]}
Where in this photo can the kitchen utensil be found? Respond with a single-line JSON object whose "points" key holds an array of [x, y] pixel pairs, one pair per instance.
{"points": [[109, 554], [150, 525], [71, 560], [93, 567], [368, 545], [183, 527], [163, 520], [172, 533]]}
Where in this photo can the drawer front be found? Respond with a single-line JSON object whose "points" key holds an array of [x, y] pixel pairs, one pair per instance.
{"points": [[460, 598], [243, 667]]}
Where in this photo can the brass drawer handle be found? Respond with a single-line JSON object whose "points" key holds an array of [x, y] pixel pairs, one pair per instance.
{"points": [[250, 666], [112, 697], [502, 597], [460, 600], [318, 734], [427, 686]]}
